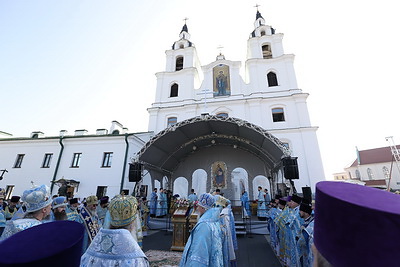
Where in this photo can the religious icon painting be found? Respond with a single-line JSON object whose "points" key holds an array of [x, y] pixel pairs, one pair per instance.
{"points": [[218, 174], [221, 80]]}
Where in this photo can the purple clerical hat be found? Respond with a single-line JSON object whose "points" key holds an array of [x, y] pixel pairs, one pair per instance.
{"points": [[49, 244], [356, 225]]}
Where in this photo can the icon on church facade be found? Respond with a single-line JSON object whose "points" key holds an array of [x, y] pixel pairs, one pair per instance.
{"points": [[218, 171], [222, 85]]}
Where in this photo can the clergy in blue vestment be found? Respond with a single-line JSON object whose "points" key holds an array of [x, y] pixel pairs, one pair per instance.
{"points": [[59, 209], [293, 224], [101, 209], [72, 210], [261, 207], [90, 221], [38, 207], [153, 203], [192, 197], [228, 231], [273, 212], [303, 237], [280, 222], [160, 203], [204, 246], [117, 246], [245, 205]]}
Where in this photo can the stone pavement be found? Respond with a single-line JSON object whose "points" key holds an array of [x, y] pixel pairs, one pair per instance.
{"points": [[254, 249]]}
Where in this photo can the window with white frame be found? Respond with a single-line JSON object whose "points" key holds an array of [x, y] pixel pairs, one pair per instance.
{"points": [[76, 160], [171, 121], [272, 79], [47, 160], [222, 115], [107, 159], [278, 114], [18, 161]]}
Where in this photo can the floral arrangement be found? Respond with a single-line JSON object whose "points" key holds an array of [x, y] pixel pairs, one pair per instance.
{"points": [[182, 202]]}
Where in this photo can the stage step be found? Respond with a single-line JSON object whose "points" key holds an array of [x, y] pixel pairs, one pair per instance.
{"points": [[240, 228]]}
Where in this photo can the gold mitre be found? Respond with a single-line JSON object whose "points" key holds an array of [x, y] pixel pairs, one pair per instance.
{"points": [[122, 210], [90, 200], [221, 202]]}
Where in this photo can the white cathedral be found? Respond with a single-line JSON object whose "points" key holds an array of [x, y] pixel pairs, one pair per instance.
{"points": [[209, 128]]}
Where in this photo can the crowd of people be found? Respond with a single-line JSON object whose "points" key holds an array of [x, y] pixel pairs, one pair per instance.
{"points": [[112, 233], [212, 241], [290, 224], [352, 225]]}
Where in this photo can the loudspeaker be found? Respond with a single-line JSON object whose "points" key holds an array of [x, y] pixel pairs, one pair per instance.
{"points": [[290, 168], [135, 172], [307, 193]]}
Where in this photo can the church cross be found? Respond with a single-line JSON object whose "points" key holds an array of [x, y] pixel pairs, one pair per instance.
{"points": [[220, 49], [185, 19], [256, 6], [205, 91]]}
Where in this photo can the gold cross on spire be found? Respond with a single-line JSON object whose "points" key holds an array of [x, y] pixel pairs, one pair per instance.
{"points": [[256, 6], [185, 19]]}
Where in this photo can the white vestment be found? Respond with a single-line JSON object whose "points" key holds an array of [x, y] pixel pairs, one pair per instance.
{"points": [[114, 247]]}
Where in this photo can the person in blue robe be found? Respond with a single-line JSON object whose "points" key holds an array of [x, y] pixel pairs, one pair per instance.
{"points": [[245, 205], [204, 246], [293, 224], [153, 203], [160, 203], [192, 197], [90, 221], [117, 246], [38, 206], [261, 208], [303, 237]]}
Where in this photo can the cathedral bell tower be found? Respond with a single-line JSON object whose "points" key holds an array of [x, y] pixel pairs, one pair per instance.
{"points": [[175, 85], [268, 69]]}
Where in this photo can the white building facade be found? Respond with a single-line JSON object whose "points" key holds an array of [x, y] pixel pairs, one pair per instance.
{"points": [[261, 117], [96, 164], [268, 95]]}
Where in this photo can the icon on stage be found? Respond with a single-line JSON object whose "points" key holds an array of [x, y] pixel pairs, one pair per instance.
{"points": [[218, 170]]}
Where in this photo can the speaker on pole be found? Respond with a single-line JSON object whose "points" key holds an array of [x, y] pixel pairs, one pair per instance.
{"points": [[135, 172], [290, 168]]}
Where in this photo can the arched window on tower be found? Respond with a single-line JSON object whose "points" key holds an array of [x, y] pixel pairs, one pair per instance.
{"points": [[272, 80], [278, 114], [174, 90], [171, 121], [222, 115], [262, 33], [266, 50], [179, 63]]}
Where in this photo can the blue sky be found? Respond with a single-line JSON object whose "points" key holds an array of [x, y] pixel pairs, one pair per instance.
{"points": [[68, 65]]}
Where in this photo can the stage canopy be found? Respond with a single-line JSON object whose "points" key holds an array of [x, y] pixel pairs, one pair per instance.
{"points": [[169, 147]]}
